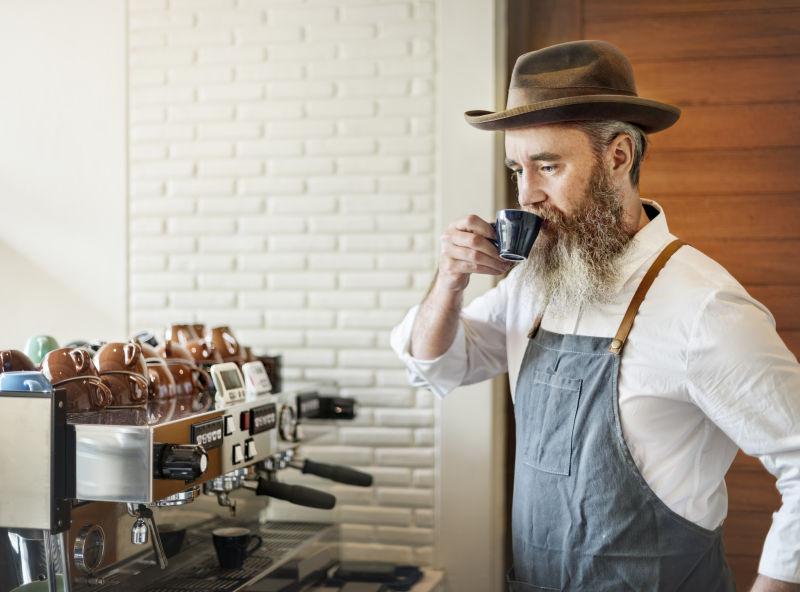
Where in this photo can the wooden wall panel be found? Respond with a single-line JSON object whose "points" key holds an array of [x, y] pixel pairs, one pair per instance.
{"points": [[753, 262], [720, 81], [730, 217], [758, 125], [598, 10], [703, 172], [674, 36]]}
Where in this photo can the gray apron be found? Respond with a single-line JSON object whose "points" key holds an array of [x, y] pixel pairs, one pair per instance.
{"points": [[583, 517]]}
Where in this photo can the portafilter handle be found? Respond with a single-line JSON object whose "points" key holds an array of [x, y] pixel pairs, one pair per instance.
{"points": [[295, 494], [338, 473], [145, 523]]}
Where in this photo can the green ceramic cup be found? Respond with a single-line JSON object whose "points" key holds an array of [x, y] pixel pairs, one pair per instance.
{"points": [[38, 346]]}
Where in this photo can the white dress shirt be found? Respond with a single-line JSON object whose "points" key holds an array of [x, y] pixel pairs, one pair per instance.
{"points": [[703, 373]]}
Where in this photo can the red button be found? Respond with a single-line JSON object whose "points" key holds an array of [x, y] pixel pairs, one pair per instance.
{"points": [[244, 421]]}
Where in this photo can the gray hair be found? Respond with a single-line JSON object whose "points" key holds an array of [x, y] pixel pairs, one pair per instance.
{"points": [[602, 133]]}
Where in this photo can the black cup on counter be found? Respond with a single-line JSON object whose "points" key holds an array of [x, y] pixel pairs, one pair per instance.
{"points": [[171, 538], [232, 545], [515, 232]]}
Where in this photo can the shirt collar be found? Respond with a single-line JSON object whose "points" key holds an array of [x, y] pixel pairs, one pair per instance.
{"points": [[645, 244]]}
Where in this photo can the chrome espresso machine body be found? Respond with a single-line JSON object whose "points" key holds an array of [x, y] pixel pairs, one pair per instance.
{"points": [[80, 493]]}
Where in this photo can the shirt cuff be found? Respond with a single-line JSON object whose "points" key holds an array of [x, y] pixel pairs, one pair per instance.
{"points": [[780, 558], [440, 375]]}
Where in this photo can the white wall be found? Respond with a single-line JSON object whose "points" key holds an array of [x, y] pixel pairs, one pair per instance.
{"points": [[62, 170], [472, 439], [283, 166]]}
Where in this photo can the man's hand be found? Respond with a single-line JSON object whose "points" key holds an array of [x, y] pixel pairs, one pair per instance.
{"points": [[466, 249], [765, 584]]}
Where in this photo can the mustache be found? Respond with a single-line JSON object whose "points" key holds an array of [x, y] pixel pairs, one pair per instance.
{"points": [[551, 215]]}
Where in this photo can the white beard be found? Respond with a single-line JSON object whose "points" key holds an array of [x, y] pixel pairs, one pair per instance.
{"points": [[575, 262]]}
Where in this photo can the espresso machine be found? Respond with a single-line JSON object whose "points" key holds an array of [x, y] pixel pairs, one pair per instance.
{"points": [[97, 500]]}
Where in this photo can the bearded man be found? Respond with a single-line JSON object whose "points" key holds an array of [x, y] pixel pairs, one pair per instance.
{"points": [[624, 431]]}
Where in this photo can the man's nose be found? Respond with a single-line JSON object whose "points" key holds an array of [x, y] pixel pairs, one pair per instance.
{"points": [[528, 194]]}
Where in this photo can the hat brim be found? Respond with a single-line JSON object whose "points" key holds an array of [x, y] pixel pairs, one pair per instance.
{"points": [[649, 115]]}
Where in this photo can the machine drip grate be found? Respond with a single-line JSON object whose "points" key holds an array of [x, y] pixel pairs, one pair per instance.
{"points": [[208, 576], [200, 571]]}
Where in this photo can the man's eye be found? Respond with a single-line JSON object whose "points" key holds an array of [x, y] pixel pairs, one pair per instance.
{"points": [[516, 174], [548, 166]]}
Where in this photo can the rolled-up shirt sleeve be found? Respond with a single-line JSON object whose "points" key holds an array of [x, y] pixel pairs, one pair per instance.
{"points": [[478, 351], [747, 382]]}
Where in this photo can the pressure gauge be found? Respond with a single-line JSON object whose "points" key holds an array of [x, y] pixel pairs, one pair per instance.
{"points": [[89, 548], [287, 423]]}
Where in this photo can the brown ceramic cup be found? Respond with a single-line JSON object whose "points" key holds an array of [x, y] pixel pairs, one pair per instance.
{"points": [[73, 370], [124, 370], [226, 344], [181, 333], [162, 383], [248, 355], [191, 381], [13, 360], [203, 352]]}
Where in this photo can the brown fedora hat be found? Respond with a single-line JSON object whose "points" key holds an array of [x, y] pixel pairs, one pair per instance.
{"points": [[577, 80]]}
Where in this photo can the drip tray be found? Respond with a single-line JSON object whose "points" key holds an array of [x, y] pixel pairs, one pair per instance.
{"points": [[196, 568], [210, 576]]}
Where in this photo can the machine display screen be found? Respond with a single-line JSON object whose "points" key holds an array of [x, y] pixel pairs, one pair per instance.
{"points": [[231, 380]]}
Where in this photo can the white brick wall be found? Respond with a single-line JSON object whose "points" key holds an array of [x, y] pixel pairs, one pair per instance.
{"points": [[282, 165]]}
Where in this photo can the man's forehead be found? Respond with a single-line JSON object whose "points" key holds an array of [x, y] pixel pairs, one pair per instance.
{"points": [[546, 142]]}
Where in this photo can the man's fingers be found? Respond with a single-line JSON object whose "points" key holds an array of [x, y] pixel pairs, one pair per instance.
{"points": [[475, 224], [474, 258], [475, 242], [455, 266]]}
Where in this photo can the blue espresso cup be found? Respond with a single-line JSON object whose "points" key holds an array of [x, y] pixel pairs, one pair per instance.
{"points": [[516, 230]]}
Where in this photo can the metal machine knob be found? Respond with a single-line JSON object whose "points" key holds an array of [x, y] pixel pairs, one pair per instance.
{"points": [[184, 462]]}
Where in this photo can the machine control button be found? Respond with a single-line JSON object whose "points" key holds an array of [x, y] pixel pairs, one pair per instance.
{"points": [[244, 421], [230, 426], [237, 454], [184, 462], [250, 449], [208, 434], [263, 418]]}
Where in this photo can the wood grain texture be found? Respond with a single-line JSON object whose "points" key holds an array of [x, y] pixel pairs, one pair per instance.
{"points": [[792, 341], [755, 490], [745, 532], [719, 81], [704, 127], [730, 217], [595, 10], [703, 172], [752, 262], [783, 302], [744, 568], [688, 36]]}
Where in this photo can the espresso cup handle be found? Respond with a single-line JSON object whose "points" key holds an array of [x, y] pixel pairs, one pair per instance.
{"points": [[131, 351], [80, 359], [494, 240], [259, 542], [203, 378], [155, 384], [107, 397]]}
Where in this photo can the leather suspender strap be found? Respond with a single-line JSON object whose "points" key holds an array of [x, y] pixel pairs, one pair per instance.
{"points": [[633, 308]]}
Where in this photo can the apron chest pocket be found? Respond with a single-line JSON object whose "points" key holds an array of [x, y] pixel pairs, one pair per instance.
{"points": [[548, 416]]}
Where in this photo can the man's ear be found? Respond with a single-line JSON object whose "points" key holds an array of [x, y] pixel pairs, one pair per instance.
{"points": [[621, 152]]}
